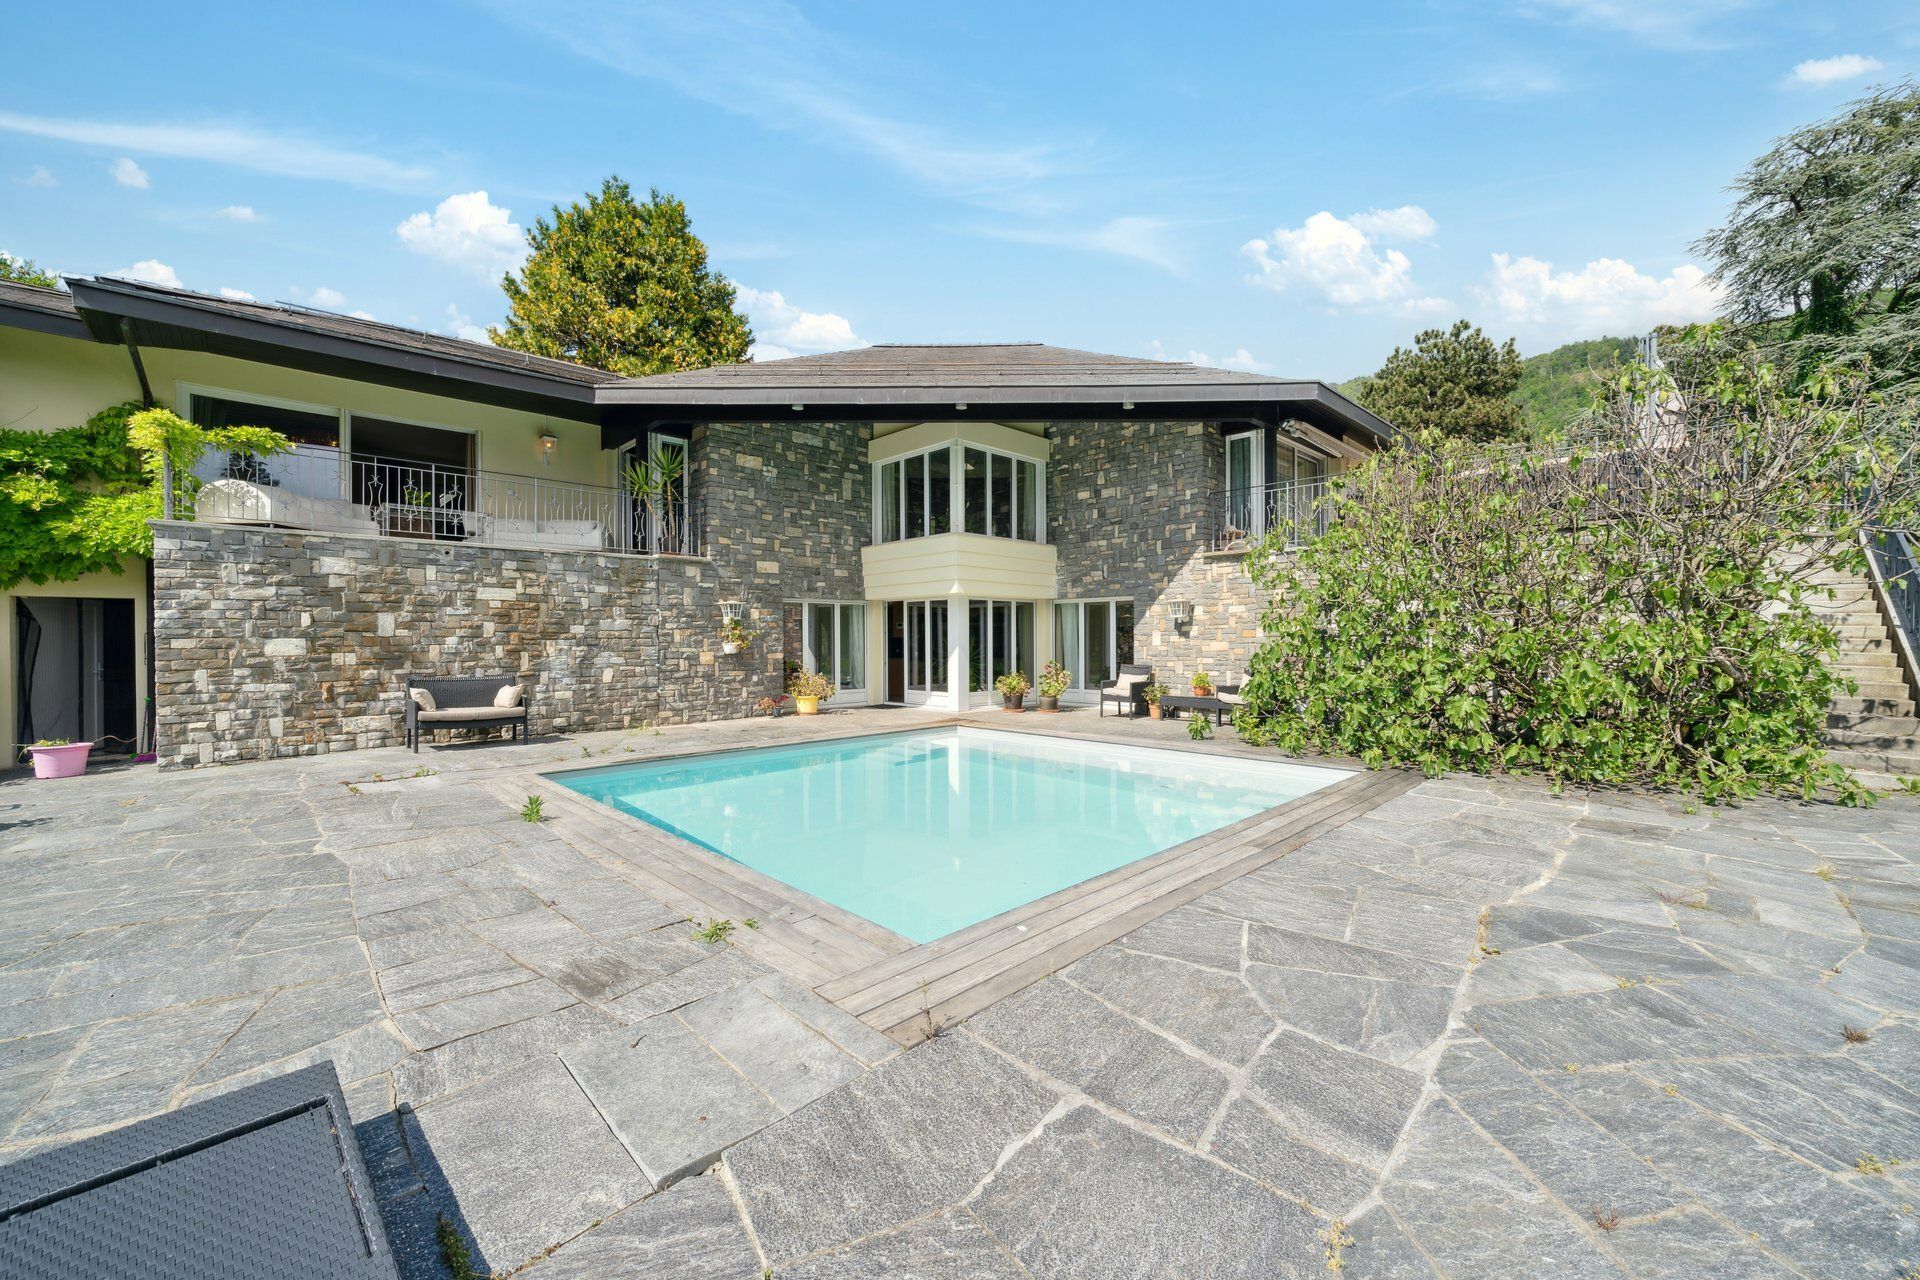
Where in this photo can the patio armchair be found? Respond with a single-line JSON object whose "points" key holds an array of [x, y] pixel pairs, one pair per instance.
{"points": [[1124, 689], [1230, 693], [466, 702]]}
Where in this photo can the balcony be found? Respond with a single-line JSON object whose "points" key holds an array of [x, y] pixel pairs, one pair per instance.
{"points": [[1296, 511], [328, 490]]}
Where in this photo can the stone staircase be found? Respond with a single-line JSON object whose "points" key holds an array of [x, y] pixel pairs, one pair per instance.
{"points": [[1875, 729]]}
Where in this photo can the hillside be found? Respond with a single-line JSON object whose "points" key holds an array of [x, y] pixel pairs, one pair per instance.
{"points": [[1556, 385]]}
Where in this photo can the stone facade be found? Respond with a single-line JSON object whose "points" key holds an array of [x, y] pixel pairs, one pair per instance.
{"points": [[274, 642], [1130, 510]]}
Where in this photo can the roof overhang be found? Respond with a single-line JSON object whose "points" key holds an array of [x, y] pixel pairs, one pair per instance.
{"points": [[634, 410], [113, 312], [26, 315]]}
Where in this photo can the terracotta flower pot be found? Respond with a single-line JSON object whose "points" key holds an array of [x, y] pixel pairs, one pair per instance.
{"points": [[69, 760], [1153, 710]]}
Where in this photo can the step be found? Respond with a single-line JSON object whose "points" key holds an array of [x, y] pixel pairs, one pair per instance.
{"points": [[1887, 690], [1879, 724], [1892, 763]]}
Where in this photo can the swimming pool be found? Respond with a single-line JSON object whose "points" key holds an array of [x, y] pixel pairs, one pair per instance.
{"points": [[929, 831]]}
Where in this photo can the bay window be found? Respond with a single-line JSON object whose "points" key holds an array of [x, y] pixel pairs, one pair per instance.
{"points": [[998, 494]]}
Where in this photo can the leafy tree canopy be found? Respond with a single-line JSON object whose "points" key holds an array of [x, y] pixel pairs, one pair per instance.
{"points": [[1454, 381], [1824, 237], [623, 286], [1558, 386], [25, 271]]}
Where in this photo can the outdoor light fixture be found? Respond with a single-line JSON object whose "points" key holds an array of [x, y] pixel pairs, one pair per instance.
{"points": [[1182, 613], [547, 441], [733, 610], [960, 406], [798, 408]]}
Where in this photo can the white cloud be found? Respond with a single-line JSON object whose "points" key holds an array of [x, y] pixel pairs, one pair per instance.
{"points": [[1343, 260], [237, 295], [128, 174], [781, 329], [240, 213], [1607, 296], [1408, 222], [461, 325], [1241, 359], [1665, 24], [39, 176], [1142, 239], [151, 270], [1845, 66], [469, 231], [289, 155], [326, 298]]}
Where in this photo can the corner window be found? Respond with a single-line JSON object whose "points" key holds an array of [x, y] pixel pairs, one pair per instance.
{"points": [[997, 494]]}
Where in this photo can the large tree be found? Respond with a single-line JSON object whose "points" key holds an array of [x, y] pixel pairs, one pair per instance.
{"points": [[1455, 381], [623, 286], [25, 271], [1822, 249]]}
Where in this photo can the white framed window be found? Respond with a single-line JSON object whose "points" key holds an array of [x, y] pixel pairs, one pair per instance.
{"points": [[999, 641], [1093, 639], [996, 494], [834, 641]]}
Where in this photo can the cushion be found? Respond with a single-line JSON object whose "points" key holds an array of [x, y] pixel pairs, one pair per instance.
{"points": [[1231, 699], [454, 715], [1127, 684], [509, 695], [423, 699]]}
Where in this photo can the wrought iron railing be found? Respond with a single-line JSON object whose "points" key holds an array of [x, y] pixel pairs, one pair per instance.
{"points": [[1296, 510], [319, 487]]}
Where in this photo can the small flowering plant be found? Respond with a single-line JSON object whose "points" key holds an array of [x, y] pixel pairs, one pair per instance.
{"points": [[734, 632], [1202, 684], [1014, 684], [809, 684], [1054, 680]]}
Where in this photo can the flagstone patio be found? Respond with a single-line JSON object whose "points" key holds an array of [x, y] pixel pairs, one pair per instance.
{"points": [[1481, 1031]]}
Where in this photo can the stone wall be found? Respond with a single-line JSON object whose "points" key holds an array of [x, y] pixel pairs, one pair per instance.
{"points": [[1129, 509], [274, 642]]}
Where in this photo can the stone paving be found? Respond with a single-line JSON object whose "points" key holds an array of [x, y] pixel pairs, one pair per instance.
{"points": [[1483, 1031]]}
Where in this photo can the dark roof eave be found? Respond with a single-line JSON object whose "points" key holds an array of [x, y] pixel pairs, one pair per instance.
{"points": [[168, 322], [62, 324]]}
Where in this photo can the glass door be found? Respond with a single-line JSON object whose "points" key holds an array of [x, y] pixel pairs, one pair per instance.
{"points": [[1246, 478]]}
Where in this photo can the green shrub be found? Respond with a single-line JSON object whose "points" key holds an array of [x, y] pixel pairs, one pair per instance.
{"points": [[1631, 609]]}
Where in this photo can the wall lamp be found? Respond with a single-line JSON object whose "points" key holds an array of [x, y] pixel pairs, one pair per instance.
{"points": [[548, 441], [1181, 611], [733, 610]]}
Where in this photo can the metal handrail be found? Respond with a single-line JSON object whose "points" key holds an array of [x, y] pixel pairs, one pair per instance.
{"points": [[1894, 556], [1296, 509], [405, 498]]}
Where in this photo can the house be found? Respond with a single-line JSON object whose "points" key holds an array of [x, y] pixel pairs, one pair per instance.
{"points": [[909, 520]]}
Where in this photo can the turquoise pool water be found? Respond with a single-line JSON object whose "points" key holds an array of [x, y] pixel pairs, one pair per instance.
{"points": [[930, 831]]}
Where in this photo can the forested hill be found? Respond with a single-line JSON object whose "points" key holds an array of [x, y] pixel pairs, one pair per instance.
{"points": [[1554, 385]]}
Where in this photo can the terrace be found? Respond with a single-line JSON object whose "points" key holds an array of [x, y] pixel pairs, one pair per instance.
{"points": [[1474, 1028]]}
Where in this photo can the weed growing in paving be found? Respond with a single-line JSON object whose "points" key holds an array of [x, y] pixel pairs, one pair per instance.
{"points": [[1605, 1219], [1338, 1240], [453, 1250], [531, 811], [715, 931], [1853, 1035]]}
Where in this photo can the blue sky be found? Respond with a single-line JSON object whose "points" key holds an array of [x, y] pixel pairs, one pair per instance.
{"points": [[1289, 188]]}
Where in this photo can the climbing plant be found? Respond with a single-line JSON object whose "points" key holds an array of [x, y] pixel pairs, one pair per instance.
{"points": [[1634, 607], [77, 500]]}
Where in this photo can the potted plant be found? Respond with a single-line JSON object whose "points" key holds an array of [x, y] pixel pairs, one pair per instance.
{"points": [[734, 636], [774, 706], [1202, 685], [1152, 694], [1013, 688], [809, 690], [1054, 680], [58, 758]]}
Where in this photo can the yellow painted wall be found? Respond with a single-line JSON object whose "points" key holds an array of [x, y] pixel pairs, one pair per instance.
{"points": [[969, 564], [49, 382], [128, 584]]}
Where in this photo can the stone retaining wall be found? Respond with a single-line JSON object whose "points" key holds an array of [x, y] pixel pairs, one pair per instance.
{"points": [[274, 642]]}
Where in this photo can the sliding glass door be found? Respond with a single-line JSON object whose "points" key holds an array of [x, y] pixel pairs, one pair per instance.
{"points": [[835, 639], [999, 641], [1093, 639]]}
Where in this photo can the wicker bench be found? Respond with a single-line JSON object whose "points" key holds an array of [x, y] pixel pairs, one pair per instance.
{"points": [[464, 702]]}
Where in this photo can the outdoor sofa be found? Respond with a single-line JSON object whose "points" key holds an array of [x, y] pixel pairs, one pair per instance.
{"points": [[229, 501], [466, 702]]}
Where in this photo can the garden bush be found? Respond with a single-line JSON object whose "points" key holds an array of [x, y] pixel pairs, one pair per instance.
{"points": [[1630, 606]]}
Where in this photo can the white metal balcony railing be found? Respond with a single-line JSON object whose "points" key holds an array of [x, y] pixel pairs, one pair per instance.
{"points": [[1297, 510], [318, 487]]}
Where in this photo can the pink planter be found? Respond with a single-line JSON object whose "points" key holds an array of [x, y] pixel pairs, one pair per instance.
{"points": [[68, 761]]}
